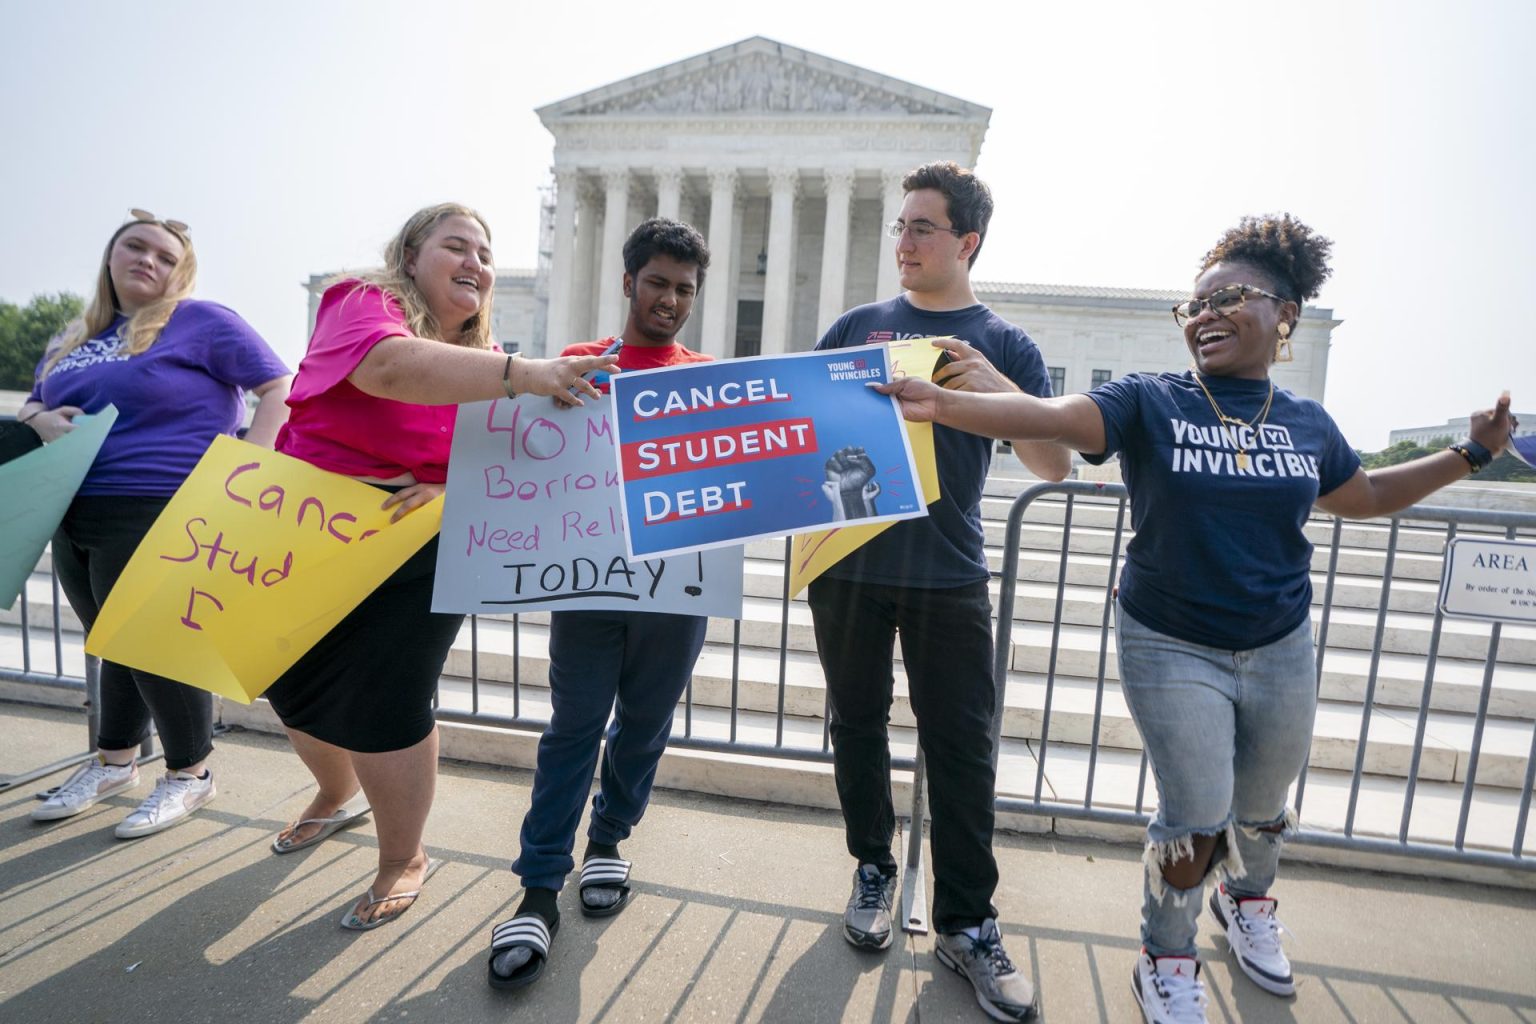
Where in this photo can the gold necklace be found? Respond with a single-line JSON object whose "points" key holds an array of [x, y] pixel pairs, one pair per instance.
{"points": [[1221, 417]]}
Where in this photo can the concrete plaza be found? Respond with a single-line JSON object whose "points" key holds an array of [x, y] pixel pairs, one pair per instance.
{"points": [[736, 918]]}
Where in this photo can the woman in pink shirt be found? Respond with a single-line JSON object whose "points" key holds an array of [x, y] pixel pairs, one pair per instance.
{"points": [[374, 399]]}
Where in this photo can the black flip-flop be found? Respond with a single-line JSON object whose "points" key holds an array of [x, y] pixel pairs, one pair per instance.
{"points": [[524, 931], [605, 873]]}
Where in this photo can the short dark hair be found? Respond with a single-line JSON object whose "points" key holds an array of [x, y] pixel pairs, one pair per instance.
{"points": [[966, 196], [1282, 248], [671, 238]]}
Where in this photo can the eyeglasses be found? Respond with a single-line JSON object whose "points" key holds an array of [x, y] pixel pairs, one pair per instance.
{"points": [[1225, 301], [919, 229], [175, 227]]}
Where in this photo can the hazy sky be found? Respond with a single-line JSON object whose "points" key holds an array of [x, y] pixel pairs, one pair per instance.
{"points": [[295, 137]]}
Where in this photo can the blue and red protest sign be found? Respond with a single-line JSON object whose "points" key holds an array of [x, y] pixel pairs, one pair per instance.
{"points": [[724, 452]]}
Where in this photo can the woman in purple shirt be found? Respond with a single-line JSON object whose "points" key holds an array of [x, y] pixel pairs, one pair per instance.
{"points": [[176, 369]]}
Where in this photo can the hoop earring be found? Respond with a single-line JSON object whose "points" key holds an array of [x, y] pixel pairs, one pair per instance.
{"points": [[1283, 353]]}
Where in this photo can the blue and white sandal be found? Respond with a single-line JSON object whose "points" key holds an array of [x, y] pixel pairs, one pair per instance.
{"points": [[525, 931], [604, 873]]}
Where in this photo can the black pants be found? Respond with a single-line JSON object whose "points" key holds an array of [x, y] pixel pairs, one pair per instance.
{"points": [[90, 550], [946, 644]]}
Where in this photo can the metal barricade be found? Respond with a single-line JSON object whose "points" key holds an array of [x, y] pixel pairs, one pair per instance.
{"points": [[726, 721], [1508, 803]]}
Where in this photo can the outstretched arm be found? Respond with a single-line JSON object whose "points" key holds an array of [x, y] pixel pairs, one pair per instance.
{"points": [[434, 373], [1381, 492], [968, 370], [1072, 420]]}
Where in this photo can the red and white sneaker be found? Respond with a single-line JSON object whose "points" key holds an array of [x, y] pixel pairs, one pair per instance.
{"points": [[1169, 990], [1253, 932]]}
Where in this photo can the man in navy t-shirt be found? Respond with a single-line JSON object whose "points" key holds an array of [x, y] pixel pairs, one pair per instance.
{"points": [[927, 578]]}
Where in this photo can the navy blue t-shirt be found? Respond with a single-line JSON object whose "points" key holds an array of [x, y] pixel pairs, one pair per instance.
{"points": [[1219, 557], [943, 548]]}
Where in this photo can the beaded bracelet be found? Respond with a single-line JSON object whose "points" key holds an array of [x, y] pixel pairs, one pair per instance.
{"points": [[1477, 455], [506, 377]]}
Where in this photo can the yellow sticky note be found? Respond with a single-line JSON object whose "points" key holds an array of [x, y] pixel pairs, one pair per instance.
{"points": [[812, 554], [254, 559]]}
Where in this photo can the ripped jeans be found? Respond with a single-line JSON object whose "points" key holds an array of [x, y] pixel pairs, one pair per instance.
{"points": [[1226, 733]]}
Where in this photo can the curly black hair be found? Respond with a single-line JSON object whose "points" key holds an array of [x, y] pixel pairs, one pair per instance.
{"points": [[1290, 254], [671, 238]]}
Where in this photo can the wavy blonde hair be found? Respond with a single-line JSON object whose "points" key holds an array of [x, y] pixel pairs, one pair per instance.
{"points": [[144, 327], [392, 278]]}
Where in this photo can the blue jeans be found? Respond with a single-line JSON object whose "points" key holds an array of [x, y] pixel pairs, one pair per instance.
{"points": [[635, 664], [1226, 733]]}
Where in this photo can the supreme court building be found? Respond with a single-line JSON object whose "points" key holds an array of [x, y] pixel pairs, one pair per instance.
{"points": [[790, 163]]}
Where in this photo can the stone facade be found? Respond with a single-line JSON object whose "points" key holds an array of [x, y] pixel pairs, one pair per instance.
{"points": [[790, 164]]}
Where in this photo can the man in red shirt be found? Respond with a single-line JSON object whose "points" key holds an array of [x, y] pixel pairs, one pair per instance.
{"points": [[633, 663]]}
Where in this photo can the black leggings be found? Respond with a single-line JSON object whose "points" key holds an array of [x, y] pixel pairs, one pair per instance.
{"points": [[92, 546]]}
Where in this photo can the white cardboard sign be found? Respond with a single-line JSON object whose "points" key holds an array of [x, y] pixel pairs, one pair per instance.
{"points": [[1493, 580], [533, 521]]}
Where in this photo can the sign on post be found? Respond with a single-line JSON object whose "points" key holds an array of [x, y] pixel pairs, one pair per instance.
{"points": [[1492, 580]]}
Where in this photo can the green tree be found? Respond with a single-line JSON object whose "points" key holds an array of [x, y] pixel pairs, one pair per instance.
{"points": [[1504, 468], [25, 330]]}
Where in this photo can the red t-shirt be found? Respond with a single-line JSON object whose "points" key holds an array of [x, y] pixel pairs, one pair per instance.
{"points": [[637, 357], [339, 428]]}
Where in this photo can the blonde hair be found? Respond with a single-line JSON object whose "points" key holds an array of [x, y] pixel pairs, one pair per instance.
{"points": [[144, 326], [393, 278]]}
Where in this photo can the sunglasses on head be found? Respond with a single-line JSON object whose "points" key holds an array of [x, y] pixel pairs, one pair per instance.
{"points": [[1225, 302], [175, 227]]}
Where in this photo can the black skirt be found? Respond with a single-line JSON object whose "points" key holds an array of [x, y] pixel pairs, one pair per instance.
{"points": [[367, 686]]}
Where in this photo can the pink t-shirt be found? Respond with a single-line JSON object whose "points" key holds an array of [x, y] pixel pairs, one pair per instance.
{"points": [[337, 427]]}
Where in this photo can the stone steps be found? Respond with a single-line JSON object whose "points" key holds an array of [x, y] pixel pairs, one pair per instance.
{"points": [[1116, 780]]}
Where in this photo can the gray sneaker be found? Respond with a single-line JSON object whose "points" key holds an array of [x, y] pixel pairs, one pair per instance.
{"points": [[93, 781], [1001, 988], [175, 796], [867, 921]]}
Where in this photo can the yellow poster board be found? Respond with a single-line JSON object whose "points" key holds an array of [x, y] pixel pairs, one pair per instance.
{"points": [[812, 554], [254, 559]]}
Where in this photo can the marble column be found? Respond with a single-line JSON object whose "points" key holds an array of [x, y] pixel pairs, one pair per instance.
{"points": [[888, 282], [783, 184], [558, 329], [669, 192], [688, 213], [610, 276], [720, 293], [834, 248], [583, 299]]}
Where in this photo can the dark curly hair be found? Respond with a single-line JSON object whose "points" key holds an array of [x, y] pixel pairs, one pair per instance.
{"points": [[671, 238], [1290, 254]]}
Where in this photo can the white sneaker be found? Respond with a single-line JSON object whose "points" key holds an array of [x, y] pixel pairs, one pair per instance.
{"points": [[93, 781], [176, 795], [1169, 989], [1253, 932]]}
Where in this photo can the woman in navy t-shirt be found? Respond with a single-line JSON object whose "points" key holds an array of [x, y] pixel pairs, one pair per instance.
{"points": [[176, 369], [1213, 622]]}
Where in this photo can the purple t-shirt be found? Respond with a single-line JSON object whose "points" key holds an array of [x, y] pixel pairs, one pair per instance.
{"points": [[172, 399]]}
